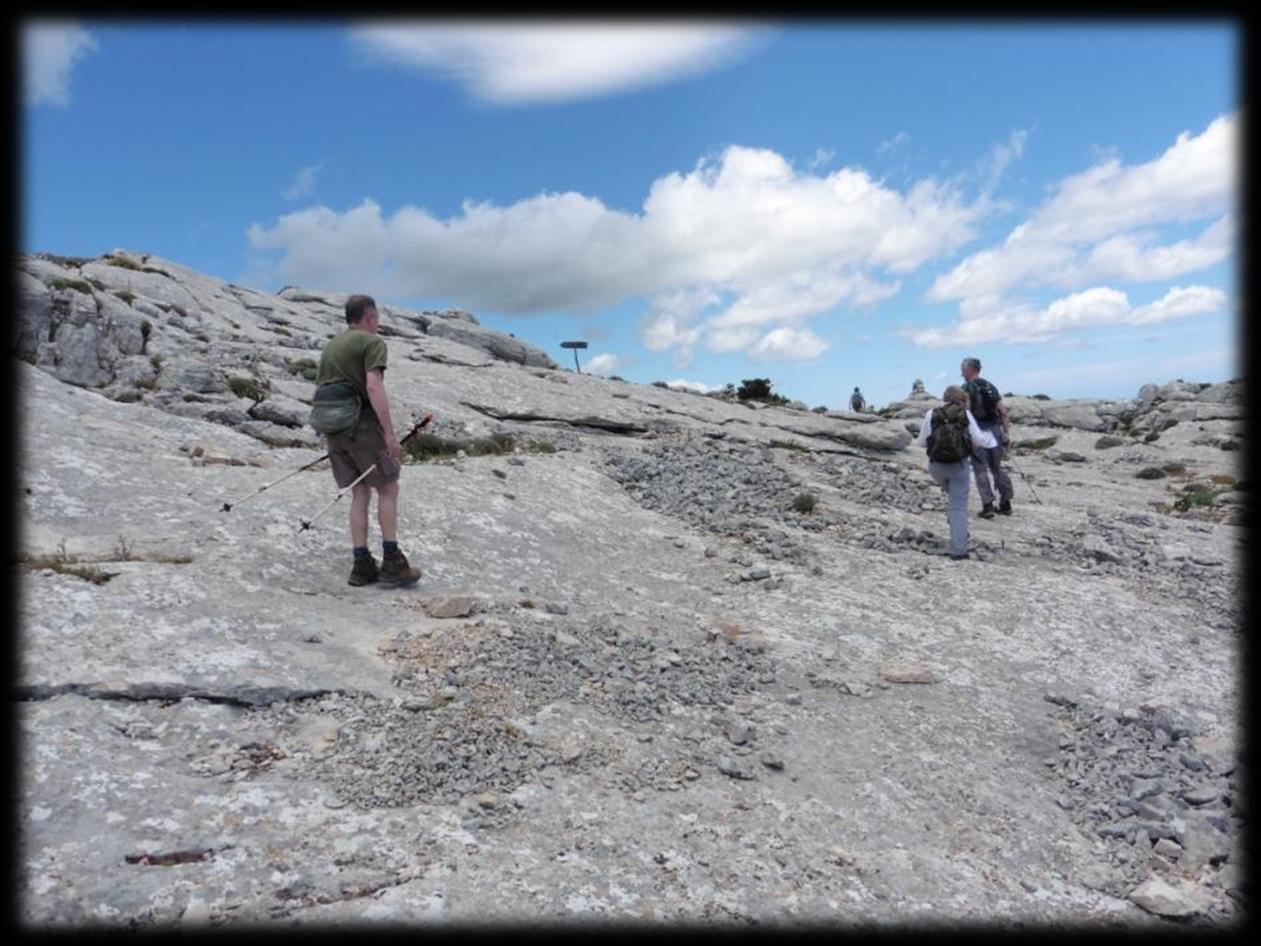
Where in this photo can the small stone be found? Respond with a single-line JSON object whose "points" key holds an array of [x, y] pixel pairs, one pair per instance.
{"points": [[487, 800], [1168, 848], [773, 762], [738, 731], [1175, 897], [449, 606], [908, 675], [729, 766], [793, 699], [1201, 796], [516, 461], [500, 473]]}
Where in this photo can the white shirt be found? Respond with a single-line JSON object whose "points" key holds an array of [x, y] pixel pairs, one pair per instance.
{"points": [[980, 438]]}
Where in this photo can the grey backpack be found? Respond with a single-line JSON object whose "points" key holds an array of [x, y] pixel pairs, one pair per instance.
{"points": [[335, 408]]}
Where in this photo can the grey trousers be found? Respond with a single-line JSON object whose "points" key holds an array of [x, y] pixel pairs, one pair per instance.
{"points": [[953, 478], [989, 462]]}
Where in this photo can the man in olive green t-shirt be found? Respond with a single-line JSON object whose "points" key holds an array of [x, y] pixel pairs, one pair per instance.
{"points": [[358, 356]]}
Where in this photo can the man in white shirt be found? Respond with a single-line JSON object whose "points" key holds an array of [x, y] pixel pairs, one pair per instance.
{"points": [[950, 458]]}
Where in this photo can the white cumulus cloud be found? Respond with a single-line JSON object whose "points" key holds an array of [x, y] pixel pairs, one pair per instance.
{"points": [[50, 51], [1091, 308], [724, 254], [538, 61], [603, 365]]}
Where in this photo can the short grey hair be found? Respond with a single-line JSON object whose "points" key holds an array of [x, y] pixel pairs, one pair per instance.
{"points": [[954, 395], [973, 363]]}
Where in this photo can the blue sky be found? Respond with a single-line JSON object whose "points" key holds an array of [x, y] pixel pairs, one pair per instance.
{"points": [[824, 203]]}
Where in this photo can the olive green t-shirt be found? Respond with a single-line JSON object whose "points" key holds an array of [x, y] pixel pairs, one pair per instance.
{"points": [[349, 357]]}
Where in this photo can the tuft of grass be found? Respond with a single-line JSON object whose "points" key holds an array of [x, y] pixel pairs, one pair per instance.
{"points": [[540, 446], [126, 396], [281, 330], [1106, 442], [1223, 479], [434, 447], [126, 295], [1174, 469], [78, 285], [247, 388], [52, 563], [821, 409], [1169, 422], [1037, 397], [1151, 473], [790, 445], [123, 262], [1196, 495], [804, 502]]}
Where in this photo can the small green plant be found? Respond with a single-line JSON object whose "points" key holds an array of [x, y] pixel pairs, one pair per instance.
{"points": [[540, 446], [306, 367], [123, 262], [821, 409], [52, 563], [434, 447], [804, 502], [661, 384], [1106, 442], [759, 389], [1174, 469], [1036, 397], [1195, 495], [156, 361], [1229, 445], [126, 295], [1223, 479], [790, 445], [281, 330], [247, 388], [202, 337], [78, 285], [1169, 422], [126, 396], [1151, 473], [617, 377]]}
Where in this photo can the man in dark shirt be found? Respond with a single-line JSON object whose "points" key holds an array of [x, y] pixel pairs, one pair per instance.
{"points": [[991, 414], [357, 356]]}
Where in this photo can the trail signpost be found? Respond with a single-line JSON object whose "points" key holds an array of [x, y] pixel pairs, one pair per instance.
{"points": [[575, 346]]}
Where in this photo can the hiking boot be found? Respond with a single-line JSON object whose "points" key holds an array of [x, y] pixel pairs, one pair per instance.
{"points": [[1004, 508], [987, 511], [364, 572], [959, 555], [396, 571]]}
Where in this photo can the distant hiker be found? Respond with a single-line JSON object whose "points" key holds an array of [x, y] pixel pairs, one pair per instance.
{"points": [[990, 413], [856, 402], [353, 366], [949, 435]]}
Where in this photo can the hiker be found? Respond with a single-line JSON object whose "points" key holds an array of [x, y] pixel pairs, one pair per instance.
{"points": [[990, 413], [355, 360], [949, 435], [856, 402]]}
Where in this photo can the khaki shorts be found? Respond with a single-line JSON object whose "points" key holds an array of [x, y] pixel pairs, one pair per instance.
{"points": [[352, 453]]}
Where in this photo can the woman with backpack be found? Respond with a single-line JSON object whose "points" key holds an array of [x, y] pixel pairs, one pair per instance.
{"points": [[949, 435]]}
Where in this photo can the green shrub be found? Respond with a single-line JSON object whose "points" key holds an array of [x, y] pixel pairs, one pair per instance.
{"points": [[1174, 468], [759, 389], [1169, 422], [821, 409], [63, 565], [1229, 445], [1223, 479], [126, 295], [1038, 397], [1196, 495], [1151, 473], [540, 446], [804, 502], [281, 330], [124, 262], [1106, 442], [1152, 437], [202, 337], [126, 396], [246, 387]]}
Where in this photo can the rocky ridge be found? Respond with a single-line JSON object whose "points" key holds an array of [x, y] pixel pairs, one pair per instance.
{"points": [[642, 677]]}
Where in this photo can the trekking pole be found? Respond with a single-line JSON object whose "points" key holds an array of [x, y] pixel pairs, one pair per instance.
{"points": [[1028, 481], [306, 523], [227, 507]]}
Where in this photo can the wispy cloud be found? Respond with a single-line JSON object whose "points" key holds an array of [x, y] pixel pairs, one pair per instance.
{"points": [[726, 255], [530, 62], [897, 142], [700, 387], [303, 183], [50, 51]]}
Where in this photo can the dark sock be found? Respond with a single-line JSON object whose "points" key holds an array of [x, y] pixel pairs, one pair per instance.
{"points": [[361, 551], [389, 548]]}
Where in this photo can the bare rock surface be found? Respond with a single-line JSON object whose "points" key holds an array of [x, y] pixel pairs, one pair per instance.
{"points": [[673, 659]]}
